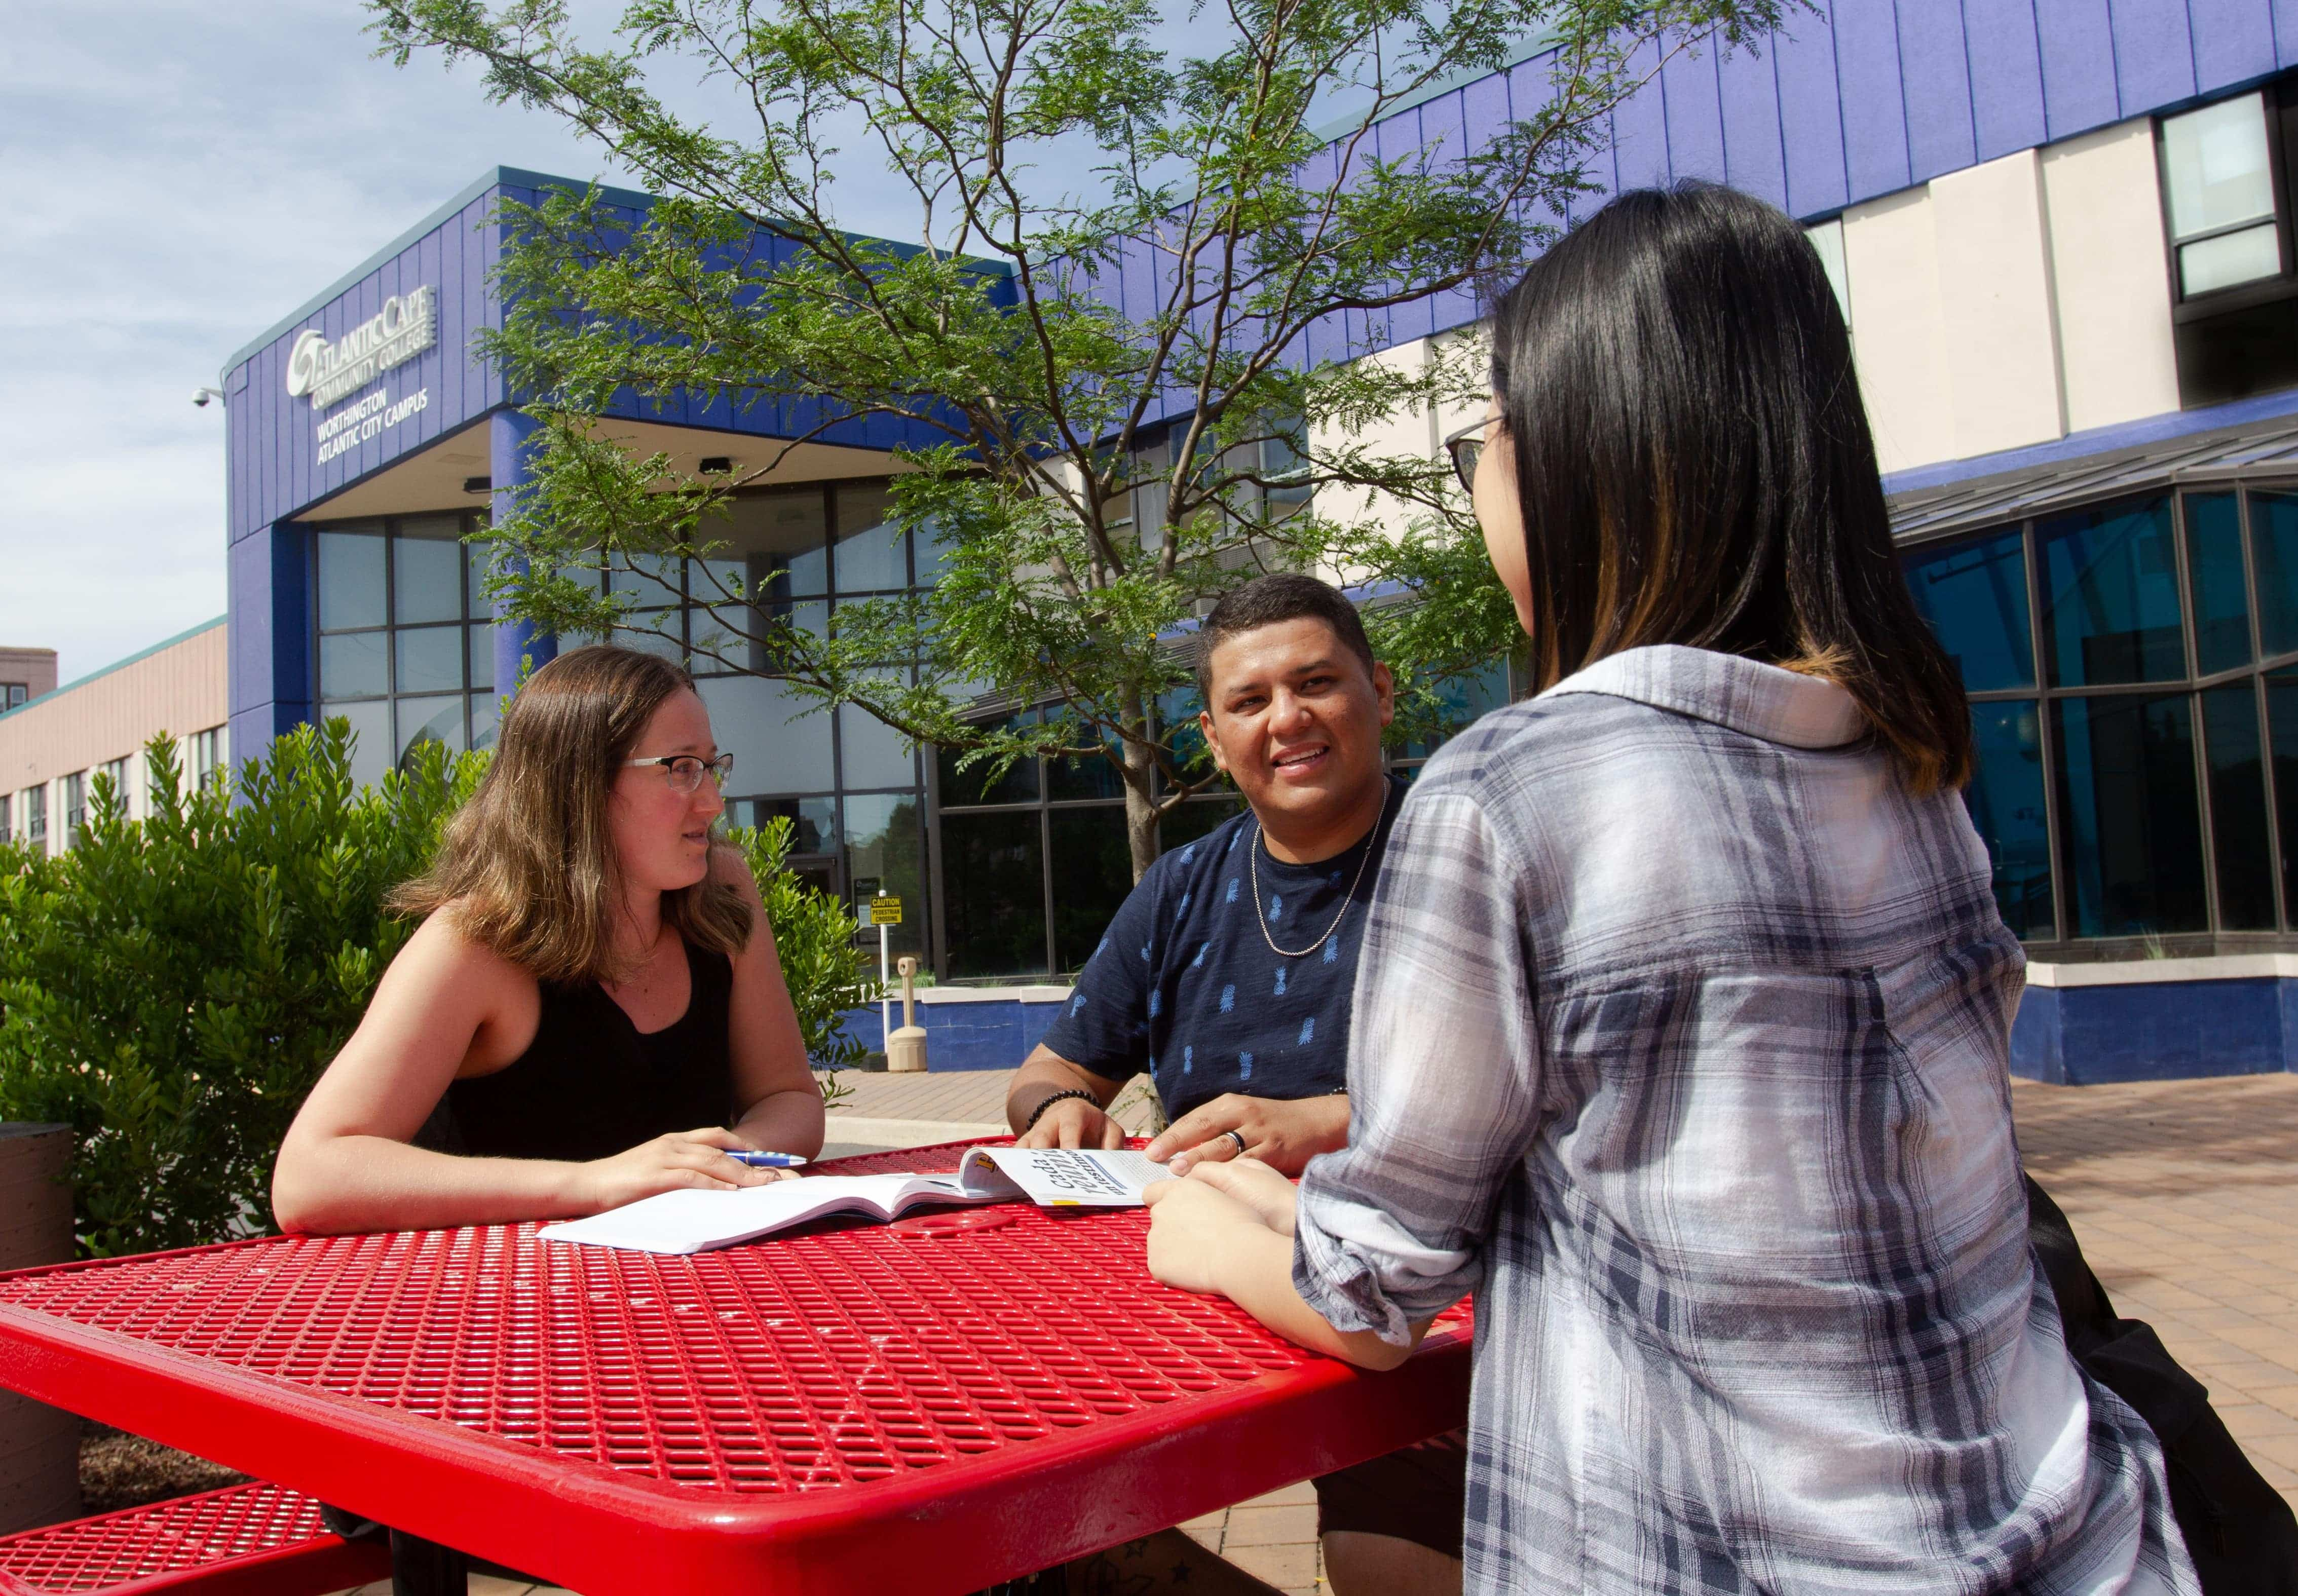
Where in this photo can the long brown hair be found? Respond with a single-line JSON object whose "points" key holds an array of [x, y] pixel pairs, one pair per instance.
{"points": [[1694, 464], [528, 866]]}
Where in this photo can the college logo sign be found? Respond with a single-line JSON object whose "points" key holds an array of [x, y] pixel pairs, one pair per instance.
{"points": [[407, 324]]}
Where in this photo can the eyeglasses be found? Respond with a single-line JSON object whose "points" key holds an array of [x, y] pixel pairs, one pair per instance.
{"points": [[684, 771], [1466, 447]]}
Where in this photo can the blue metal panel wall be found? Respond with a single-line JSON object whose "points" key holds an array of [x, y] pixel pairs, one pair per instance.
{"points": [[1867, 97]]}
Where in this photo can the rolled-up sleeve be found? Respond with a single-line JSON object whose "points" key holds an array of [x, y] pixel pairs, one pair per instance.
{"points": [[1443, 1078]]}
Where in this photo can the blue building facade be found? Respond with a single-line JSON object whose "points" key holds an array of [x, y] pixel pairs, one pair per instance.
{"points": [[2097, 487]]}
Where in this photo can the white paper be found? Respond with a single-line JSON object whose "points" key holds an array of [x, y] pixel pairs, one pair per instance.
{"points": [[695, 1222], [1067, 1176]]}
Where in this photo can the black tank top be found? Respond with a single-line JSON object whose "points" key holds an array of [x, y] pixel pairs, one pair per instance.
{"points": [[591, 1084]]}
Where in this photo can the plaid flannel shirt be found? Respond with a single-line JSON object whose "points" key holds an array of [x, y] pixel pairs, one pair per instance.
{"points": [[1680, 1038]]}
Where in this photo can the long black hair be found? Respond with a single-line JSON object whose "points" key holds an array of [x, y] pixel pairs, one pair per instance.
{"points": [[1695, 467]]}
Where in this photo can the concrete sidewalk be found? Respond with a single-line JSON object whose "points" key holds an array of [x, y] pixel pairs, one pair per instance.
{"points": [[2185, 1195]]}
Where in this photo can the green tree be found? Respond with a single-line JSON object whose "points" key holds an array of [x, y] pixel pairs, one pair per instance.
{"points": [[1102, 464], [172, 987]]}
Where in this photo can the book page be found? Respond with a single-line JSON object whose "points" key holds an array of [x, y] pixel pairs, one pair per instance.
{"points": [[1064, 1177], [694, 1221]]}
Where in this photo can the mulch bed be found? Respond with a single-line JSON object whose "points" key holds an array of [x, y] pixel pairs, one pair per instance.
{"points": [[118, 1470]]}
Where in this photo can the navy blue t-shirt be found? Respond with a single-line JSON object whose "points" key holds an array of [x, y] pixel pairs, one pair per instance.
{"points": [[1186, 987]]}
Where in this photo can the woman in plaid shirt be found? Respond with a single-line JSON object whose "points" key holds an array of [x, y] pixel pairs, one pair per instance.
{"points": [[1682, 1015]]}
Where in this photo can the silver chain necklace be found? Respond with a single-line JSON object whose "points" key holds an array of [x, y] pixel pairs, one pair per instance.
{"points": [[1261, 915]]}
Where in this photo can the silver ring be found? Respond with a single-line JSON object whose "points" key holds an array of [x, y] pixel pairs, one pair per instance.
{"points": [[1232, 1135]]}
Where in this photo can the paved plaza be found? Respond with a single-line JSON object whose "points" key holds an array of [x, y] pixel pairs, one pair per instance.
{"points": [[2185, 1195]]}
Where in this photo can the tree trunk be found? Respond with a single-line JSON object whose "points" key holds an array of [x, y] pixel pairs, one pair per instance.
{"points": [[1140, 774]]}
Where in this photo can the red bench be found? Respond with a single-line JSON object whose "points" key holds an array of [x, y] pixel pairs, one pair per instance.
{"points": [[253, 1540]]}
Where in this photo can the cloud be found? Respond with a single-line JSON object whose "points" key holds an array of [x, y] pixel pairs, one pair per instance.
{"points": [[179, 176]]}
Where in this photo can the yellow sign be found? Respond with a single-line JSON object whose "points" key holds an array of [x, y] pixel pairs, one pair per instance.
{"points": [[883, 911]]}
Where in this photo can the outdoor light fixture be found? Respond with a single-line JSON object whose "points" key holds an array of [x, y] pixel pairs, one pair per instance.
{"points": [[717, 465], [478, 484]]}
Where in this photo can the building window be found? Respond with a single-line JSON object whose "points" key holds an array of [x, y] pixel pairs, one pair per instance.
{"points": [[12, 695], [75, 806], [115, 771], [406, 643], [207, 758], [2144, 784], [7, 833], [35, 817], [2226, 214]]}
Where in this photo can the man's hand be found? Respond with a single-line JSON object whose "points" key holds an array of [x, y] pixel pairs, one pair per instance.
{"points": [[1073, 1122], [1285, 1136]]}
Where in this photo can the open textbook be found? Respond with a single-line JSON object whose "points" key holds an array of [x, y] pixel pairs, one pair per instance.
{"points": [[695, 1222]]}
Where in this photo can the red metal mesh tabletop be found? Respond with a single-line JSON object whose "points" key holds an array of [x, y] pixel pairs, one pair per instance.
{"points": [[243, 1525], [817, 1374]]}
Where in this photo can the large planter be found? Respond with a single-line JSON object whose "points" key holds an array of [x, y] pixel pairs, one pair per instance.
{"points": [[39, 1446]]}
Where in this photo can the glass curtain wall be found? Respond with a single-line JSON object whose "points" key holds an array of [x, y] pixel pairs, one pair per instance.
{"points": [[1035, 861], [2133, 671], [406, 642], [844, 780]]}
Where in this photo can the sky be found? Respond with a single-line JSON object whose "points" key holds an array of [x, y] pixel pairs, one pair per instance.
{"points": [[180, 176]]}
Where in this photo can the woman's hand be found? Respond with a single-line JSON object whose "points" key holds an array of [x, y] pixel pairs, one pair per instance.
{"points": [[681, 1160], [1194, 1231], [1273, 1199]]}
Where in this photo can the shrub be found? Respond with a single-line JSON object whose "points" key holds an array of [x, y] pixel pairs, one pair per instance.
{"points": [[172, 987]]}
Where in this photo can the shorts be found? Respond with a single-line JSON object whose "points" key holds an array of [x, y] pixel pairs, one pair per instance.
{"points": [[1417, 1494]]}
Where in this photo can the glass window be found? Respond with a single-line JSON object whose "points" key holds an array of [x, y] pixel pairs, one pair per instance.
{"points": [[6, 835], [2238, 808], [475, 570], [2214, 579], [872, 753], [2274, 558], [650, 579], [778, 748], [994, 882], [370, 728], [885, 851], [1088, 776], [813, 821], [2110, 595], [351, 591], [430, 658], [2132, 846], [75, 806], [480, 652], [1974, 595], [430, 720], [427, 571], [1465, 699], [353, 665], [486, 719], [35, 817], [2005, 799], [782, 539], [2282, 721], [979, 785], [1093, 871], [2218, 179], [869, 556]]}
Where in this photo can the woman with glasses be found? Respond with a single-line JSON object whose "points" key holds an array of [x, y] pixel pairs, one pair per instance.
{"points": [[592, 999]]}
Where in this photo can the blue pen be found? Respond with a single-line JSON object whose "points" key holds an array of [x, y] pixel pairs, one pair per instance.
{"points": [[767, 1161]]}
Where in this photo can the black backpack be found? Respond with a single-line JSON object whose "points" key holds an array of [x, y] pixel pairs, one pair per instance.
{"points": [[2239, 1531]]}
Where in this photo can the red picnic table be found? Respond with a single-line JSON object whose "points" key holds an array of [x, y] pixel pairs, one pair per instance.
{"points": [[933, 1406]]}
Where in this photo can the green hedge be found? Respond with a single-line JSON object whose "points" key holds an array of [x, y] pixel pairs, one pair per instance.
{"points": [[172, 987]]}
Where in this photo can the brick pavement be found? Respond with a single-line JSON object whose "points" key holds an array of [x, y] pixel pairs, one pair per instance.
{"points": [[2185, 1195]]}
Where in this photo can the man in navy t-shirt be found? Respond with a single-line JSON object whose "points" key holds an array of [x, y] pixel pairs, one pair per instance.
{"points": [[1226, 973], [1227, 976]]}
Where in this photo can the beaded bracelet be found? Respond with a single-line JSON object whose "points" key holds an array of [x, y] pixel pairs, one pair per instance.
{"points": [[1049, 1099]]}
